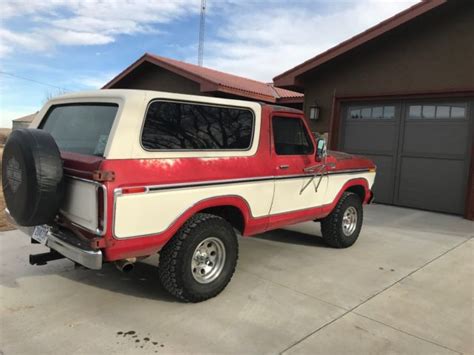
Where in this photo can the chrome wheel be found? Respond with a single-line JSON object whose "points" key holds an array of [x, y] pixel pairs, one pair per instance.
{"points": [[208, 260], [349, 221]]}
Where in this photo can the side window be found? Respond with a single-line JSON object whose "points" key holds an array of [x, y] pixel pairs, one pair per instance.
{"points": [[291, 137], [189, 126]]}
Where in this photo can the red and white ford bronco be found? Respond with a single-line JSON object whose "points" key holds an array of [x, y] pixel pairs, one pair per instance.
{"points": [[118, 175]]}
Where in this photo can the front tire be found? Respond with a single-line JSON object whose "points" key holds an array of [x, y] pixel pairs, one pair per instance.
{"points": [[199, 261], [341, 228]]}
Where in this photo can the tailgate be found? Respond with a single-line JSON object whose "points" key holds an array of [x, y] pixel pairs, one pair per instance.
{"points": [[80, 204]]}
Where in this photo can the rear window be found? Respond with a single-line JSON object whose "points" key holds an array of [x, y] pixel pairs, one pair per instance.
{"points": [[189, 126], [80, 128]]}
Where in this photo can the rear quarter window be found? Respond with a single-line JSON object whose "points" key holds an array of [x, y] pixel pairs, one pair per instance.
{"points": [[192, 126], [80, 128]]}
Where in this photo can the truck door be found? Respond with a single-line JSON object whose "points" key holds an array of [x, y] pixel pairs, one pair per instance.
{"points": [[299, 193]]}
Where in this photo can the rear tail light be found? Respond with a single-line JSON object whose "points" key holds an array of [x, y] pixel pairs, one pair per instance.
{"points": [[134, 190]]}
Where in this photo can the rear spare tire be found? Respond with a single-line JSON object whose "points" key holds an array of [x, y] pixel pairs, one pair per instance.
{"points": [[32, 177]]}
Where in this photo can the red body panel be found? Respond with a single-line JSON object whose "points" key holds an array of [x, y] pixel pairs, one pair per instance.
{"points": [[146, 172]]}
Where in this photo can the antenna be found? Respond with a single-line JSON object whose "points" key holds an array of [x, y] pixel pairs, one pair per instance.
{"points": [[202, 25]]}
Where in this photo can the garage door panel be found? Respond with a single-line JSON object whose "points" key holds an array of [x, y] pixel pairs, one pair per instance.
{"points": [[433, 184], [384, 179], [421, 148], [370, 137], [443, 139]]}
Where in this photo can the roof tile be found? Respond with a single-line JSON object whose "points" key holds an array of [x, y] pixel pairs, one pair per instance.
{"points": [[222, 81]]}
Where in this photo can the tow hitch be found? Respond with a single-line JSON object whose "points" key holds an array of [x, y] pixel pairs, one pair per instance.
{"points": [[43, 258]]}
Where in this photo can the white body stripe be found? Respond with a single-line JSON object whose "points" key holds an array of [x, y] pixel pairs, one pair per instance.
{"points": [[337, 181], [298, 194], [153, 212]]}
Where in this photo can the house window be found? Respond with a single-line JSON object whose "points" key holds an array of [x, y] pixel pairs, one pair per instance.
{"points": [[372, 112], [290, 137], [433, 111], [192, 126]]}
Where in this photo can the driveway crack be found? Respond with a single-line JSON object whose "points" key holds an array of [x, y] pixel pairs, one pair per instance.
{"points": [[407, 333], [378, 293]]}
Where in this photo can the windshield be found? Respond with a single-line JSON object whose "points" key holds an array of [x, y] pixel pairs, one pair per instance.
{"points": [[80, 128]]}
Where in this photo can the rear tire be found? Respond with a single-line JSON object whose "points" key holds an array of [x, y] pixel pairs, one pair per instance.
{"points": [[341, 228], [199, 261]]}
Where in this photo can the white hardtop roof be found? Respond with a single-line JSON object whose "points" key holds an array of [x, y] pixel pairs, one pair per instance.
{"points": [[127, 94], [132, 110]]}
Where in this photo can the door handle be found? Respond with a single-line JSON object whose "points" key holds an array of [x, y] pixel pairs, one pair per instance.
{"points": [[283, 167]]}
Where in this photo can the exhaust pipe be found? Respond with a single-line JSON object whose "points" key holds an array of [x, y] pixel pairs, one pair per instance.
{"points": [[125, 265]]}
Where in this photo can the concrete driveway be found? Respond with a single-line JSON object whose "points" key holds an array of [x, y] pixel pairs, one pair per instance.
{"points": [[405, 287]]}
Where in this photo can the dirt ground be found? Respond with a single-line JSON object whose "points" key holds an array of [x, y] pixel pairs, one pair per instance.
{"points": [[4, 133], [4, 225]]}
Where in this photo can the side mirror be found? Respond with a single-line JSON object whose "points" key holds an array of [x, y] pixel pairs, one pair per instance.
{"points": [[321, 150]]}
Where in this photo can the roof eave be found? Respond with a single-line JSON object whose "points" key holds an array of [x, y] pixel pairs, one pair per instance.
{"points": [[125, 72], [289, 78], [290, 100], [205, 85], [154, 60], [243, 93]]}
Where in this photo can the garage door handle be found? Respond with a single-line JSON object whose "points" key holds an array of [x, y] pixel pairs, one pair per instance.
{"points": [[283, 167]]}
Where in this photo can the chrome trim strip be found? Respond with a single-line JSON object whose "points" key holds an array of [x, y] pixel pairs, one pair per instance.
{"points": [[152, 188], [348, 171], [211, 183]]}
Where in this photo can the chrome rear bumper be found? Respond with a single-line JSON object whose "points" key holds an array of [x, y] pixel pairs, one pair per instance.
{"points": [[61, 242]]}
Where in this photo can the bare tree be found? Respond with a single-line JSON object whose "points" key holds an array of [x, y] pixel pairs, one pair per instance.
{"points": [[49, 94]]}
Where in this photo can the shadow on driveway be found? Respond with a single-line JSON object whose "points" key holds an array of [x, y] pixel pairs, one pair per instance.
{"points": [[142, 281], [292, 237]]}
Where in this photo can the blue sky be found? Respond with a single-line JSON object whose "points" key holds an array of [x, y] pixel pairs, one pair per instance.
{"points": [[79, 45]]}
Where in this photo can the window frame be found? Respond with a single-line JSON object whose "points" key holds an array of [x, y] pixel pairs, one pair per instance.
{"points": [[199, 104], [307, 132]]}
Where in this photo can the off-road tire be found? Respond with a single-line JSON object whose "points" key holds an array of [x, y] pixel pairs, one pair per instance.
{"points": [[331, 226], [175, 270]]}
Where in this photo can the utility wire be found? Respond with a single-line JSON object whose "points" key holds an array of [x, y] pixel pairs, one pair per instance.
{"points": [[34, 81]]}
